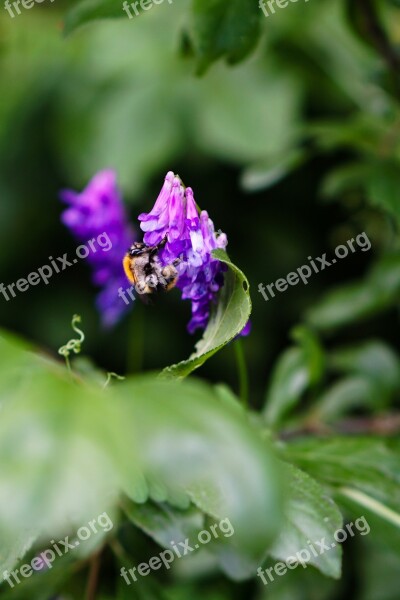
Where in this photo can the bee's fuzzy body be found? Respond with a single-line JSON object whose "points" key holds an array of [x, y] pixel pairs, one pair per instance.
{"points": [[144, 270]]}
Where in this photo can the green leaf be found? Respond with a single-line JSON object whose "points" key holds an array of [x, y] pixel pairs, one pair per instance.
{"points": [[299, 584], [191, 445], [373, 359], [193, 442], [165, 523], [270, 172], [345, 395], [289, 381], [310, 516], [357, 301], [345, 178], [380, 180], [372, 372], [313, 352], [227, 319], [87, 11], [362, 133], [365, 18], [383, 187], [124, 119], [12, 550], [44, 584], [222, 29], [53, 432], [380, 554], [379, 559], [296, 370], [148, 588], [364, 469], [227, 131]]}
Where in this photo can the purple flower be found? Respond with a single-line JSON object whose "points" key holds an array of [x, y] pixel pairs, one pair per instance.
{"points": [[246, 329], [98, 210], [191, 238]]}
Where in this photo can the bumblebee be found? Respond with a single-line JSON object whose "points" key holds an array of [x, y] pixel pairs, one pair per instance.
{"points": [[143, 268]]}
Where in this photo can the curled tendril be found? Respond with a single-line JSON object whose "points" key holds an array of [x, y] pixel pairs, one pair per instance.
{"points": [[74, 345], [110, 376]]}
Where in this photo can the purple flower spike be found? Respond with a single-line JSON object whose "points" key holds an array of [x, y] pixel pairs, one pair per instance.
{"points": [[190, 239], [155, 223], [98, 210]]}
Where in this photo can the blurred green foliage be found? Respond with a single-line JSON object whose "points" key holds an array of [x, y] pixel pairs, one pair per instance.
{"points": [[291, 140]]}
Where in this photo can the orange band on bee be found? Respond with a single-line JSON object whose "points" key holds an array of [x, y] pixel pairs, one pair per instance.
{"points": [[172, 284], [127, 268]]}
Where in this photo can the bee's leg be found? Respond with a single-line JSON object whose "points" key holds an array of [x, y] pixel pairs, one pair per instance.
{"points": [[178, 260], [153, 250], [163, 242]]}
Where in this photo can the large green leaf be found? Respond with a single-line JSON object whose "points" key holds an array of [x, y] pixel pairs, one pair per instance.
{"points": [[179, 442], [152, 98], [227, 319], [224, 29], [53, 433], [310, 517], [194, 443]]}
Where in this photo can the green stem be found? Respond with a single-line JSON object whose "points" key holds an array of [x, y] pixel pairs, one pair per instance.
{"points": [[242, 371], [370, 503], [94, 571], [68, 364]]}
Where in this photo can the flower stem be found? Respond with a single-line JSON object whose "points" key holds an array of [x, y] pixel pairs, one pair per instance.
{"points": [[94, 571], [242, 371]]}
